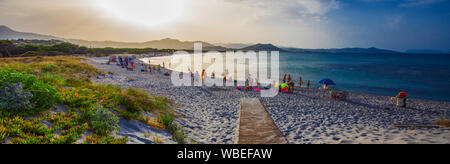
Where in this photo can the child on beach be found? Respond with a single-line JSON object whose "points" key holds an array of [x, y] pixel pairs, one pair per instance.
{"points": [[308, 84]]}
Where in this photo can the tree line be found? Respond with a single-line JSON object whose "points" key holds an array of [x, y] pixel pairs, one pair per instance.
{"points": [[9, 49]]}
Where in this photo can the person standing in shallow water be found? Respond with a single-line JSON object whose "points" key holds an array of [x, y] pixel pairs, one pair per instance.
{"points": [[308, 84], [284, 78], [203, 74], [197, 76], [300, 82]]}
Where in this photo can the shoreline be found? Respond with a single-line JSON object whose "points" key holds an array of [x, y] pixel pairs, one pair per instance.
{"points": [[210, 115], [387, 90]]}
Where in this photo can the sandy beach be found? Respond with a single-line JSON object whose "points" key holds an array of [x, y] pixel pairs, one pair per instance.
{"points": [[211, 114]]}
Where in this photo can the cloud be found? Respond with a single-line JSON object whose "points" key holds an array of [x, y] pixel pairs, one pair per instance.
{"points": [[299, 23], [414, 3], [292, 8], [408, 3]]}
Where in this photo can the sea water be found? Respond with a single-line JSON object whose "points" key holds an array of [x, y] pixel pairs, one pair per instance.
{"points": [[421, 75], [424, 76]]}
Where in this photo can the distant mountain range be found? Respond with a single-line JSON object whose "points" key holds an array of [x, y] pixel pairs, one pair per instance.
{"points": [[371, 50], [417, 51], [233, 45], [8, 33], [159, 44]]}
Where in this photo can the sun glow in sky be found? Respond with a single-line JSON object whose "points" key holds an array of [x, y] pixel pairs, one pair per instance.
{"points": [[397, 25], [144, 12]]}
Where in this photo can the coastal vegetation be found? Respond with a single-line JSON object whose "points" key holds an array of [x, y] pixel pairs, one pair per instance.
{"points": [[12, 49], [51, 100]]}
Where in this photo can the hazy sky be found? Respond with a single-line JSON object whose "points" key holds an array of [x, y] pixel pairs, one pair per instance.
{"points": [[391, 24]]}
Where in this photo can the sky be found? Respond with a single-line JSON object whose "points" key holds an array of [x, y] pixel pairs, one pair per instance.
{"points": [[389, 24]]}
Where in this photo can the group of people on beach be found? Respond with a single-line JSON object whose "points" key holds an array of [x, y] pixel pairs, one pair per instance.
{"points": [[196, 76], [125, 62], [291, 84], [128, 62]]}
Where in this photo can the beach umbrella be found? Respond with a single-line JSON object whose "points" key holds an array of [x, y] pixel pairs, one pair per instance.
{"points": [[284, 87], [326, 81]]}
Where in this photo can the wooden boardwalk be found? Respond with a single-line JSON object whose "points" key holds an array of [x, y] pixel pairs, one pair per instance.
{"points": [[256, 126]]}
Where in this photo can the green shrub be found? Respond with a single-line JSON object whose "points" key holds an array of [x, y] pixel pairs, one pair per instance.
{"points": [[43, 96], [14, 98], [51, 68], [53, 79], [72, 82], [104, 121], [167, 119], [137, 101], [8, 75]]}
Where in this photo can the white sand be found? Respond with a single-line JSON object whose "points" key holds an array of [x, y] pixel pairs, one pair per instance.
{"points": [[211, 116]]}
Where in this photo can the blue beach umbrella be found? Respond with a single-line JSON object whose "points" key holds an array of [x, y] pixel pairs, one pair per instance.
{"points": [[327, 81]]}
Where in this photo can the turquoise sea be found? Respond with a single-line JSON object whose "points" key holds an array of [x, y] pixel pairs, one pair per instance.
{"points": [[424, 76]]}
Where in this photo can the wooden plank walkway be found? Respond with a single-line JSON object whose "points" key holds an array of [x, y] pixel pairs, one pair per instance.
{"points": [[256, 126]]}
